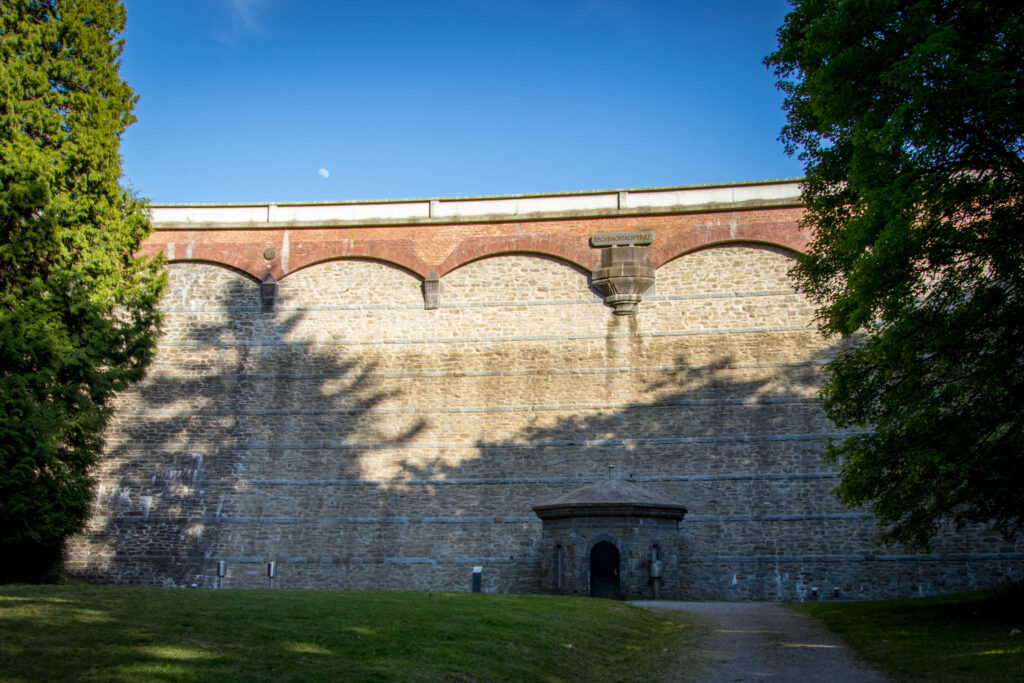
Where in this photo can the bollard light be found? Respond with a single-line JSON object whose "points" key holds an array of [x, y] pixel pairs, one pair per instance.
{"points": [[478, 573]]}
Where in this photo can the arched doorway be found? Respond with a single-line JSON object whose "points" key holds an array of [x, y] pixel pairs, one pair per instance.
{"points": [[604, 571], [598, 540]]}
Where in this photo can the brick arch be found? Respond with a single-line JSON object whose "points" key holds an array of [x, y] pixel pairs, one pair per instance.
{"points": [[217, 264], [572, 250], [400, 253], [735, 243], [247, 257], [251, 265], [786, 235], [580, 270], [364, 259]]}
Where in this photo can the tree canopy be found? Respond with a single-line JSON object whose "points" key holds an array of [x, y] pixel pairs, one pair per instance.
{"points": [[909, 117], [78, 316]]}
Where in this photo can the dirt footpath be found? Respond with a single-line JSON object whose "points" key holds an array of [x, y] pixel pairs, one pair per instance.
{"points": [[763, 641]]}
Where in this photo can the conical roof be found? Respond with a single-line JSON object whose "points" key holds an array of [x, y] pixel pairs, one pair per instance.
{"points": [[610, 498]]}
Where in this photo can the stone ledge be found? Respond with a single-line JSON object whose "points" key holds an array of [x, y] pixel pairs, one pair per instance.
{"points": [[753, 402], [476, 445], [489, 339], [259, 376], [526, 481], [774, 559]]}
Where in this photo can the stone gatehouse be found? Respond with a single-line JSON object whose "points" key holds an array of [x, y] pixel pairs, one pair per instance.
{"points": [[377, 394]]}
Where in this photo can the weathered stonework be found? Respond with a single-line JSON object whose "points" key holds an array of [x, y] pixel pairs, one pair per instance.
{"points": [[371, 431], [623, 277], [611, 539]]}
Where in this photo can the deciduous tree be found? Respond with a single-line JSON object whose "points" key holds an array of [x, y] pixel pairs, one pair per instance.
{"points": [[78, 316], [909, 117]]}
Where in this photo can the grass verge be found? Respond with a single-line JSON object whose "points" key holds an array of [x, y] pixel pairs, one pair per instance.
{"points": [[961, 637], [122, 633]]}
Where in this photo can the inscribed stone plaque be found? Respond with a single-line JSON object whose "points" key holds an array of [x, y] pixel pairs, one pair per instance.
{"points": [[614, 239]]}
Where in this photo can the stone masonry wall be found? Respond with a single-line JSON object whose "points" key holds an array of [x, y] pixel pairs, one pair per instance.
{"points": [[565, 566], [362, 442]]}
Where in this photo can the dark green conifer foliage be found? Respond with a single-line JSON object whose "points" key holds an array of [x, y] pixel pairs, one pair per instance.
{"points": [[78, 316], [909, 116]]}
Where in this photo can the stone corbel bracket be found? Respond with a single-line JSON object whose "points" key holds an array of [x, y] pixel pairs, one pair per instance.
{"points": [[624, 274], [268, 294], [432, 291]]}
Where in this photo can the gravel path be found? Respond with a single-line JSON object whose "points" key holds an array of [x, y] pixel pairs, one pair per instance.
{"points": [[763, 641]]}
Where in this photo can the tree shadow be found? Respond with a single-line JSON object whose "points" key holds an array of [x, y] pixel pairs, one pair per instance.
{"points": [[738, 442], [717, 435], [404, 463], [193, 449]]}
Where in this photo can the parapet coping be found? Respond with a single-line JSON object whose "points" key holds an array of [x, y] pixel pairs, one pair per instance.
{"points": [[497, 208]]}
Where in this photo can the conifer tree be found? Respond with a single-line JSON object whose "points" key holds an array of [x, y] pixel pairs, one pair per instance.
{"points": [[78, 308]]}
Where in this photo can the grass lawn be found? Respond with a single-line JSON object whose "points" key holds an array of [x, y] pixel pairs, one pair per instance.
{"points": [[962, 637], [132, 634]]}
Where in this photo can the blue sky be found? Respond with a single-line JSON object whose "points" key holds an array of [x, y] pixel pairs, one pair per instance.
{"points": [[308, 100]]}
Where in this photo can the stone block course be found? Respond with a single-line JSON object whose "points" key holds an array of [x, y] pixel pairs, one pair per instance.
{"points": [[362, 441]]}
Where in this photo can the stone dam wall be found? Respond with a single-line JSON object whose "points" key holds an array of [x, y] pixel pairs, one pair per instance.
{"points": [[362, 441]]}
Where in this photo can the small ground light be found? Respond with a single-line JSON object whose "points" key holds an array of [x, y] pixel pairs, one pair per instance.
{"points": [[221, 573], [271, 572], [478, 579]]}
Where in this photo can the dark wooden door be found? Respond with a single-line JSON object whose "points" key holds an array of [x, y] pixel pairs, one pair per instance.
{"points": [[604, 571]]}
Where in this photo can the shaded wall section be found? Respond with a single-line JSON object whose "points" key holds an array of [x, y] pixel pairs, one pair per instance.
{"points": [[361, 442]]}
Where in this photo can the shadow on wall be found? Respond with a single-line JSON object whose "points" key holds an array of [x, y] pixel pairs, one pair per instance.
{"points": [[737, 441], [230, 409], [365, 442]]}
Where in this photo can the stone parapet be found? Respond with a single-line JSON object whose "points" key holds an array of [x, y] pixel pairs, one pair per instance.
{"points": [[696, 198]]}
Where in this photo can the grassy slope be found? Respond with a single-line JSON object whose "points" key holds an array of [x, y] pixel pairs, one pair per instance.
{"points": [[963, 637], [108, 633]]}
